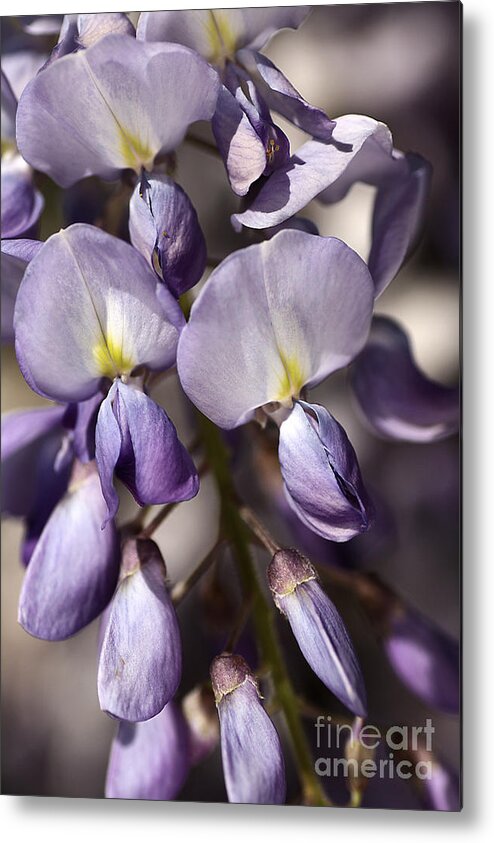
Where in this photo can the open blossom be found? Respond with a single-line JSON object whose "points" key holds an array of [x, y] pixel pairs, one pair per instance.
{"points": [[69, 346], [272, 320], [253, 763], [250, 142], [115, 106]]}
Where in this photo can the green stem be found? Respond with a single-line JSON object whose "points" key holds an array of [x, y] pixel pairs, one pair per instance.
{"points": [[237, 532]]}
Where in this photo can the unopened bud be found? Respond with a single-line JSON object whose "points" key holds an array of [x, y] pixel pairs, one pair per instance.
{"points": [[229, 672]]}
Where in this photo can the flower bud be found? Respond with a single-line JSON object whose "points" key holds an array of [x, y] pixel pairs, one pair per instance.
{"points": [[141, 655], [199, 711], [317, 626], [253, 763]]}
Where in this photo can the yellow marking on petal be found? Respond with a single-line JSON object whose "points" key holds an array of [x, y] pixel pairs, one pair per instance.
{"points": [[222, 39], [135, 152], [111, 359], [291, 381]]}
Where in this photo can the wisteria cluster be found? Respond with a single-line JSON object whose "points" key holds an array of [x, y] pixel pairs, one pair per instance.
{"points": [[98, 320]]}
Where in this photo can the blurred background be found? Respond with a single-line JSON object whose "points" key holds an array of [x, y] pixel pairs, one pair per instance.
{"points": [[399, 63]]}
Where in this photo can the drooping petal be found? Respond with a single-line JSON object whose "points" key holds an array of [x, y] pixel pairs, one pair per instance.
{"points": [[163, 223], [425, 658], [87, 309], [282, 97], [114, 106], [74, 568], [136, 439], [321, 474], [217, 34], [396, 398], [140, 661], [149, 760], [270, 319], [318, 627], [253, 764], [22, 204], [314, 167], [397, 220]]}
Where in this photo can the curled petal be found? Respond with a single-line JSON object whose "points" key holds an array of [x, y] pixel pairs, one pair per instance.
{"points": [[270, 319], [397, 399], [114, 106], [217, 34], [136, 439], [321, 474], [74, 568], [318, 628], [149, 760], [163, 223], [312, 169], [141, 655], [22, 204], [110, 322], [253, 763], [282, 97], [426, 659]]}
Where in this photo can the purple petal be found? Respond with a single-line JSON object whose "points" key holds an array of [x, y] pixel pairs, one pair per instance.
{"points": [[80, 420], [442, 791], [135, 438], [94, 27], [23, 427], [282, 97], [74, 568], [321, 474], [163, 223], [22, 204], [110, 323], [9, 108], [318, 628], [217, 34], [141, 656], [253, 764], [396, 398], [314, 167], [426, 659], [114, 106], [149, 760], [199, 710], [272, 318]]}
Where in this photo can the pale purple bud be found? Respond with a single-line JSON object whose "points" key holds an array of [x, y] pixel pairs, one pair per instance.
{"points": [[253, 762], [317, 626], [200, 713]]}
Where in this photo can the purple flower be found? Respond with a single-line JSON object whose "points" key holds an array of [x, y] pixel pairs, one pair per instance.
{"points": [[164, 227], [149, 760], [425, 658], [111, 323], [251, 144], [318, 628], [117, 105], [397, 400], [22, 204], [15, 256], [322, 477], [253, 763], [141, 655], [272, 319], [74, 568]]}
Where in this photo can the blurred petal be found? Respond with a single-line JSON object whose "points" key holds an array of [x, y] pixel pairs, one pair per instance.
{"points": [[199, 711], [314, 167], [270, 319], [397, 399], [9, 109], [282, 97], [110, 323], [111, 107], [253, 763], [426, 659], [140, 663], [318, 627], [163, 222], [15, 256], [442, 791], [22, 427], [136, 439], [22, 204], [217, 34], [149, 760], [74, 568], [321, 474]]}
